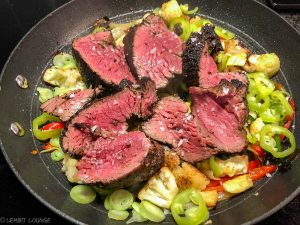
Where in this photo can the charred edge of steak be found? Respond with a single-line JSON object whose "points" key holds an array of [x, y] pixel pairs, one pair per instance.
{"points": [[209, 36], [236, 88], [90, 77], [128, 49], [193, 52], [150, 165]]}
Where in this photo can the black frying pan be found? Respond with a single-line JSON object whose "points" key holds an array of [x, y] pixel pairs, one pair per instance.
{"points": [[259, 28]]}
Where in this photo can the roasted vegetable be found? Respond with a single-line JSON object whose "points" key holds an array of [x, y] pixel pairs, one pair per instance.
{"points": [[233, 47], [188, 176], [44, 94], [238, 184], [237, 60], [58, 91], [60, 77], [64, 71], [170, 10], [255, 129], [210, 197], [261, 171], [160, 189], [269, 64], [69, 168], [215, 167]]}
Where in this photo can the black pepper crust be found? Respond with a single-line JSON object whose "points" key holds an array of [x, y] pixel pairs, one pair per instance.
{"points": [[128, 48], [194, 50]]}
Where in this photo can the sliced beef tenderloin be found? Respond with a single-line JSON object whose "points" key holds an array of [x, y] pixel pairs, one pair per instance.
{"points": [[69, 104], [199, 67], [172, 124], [107, 117], [220, 113], [124, 161], [103, 58], [153, 51]]}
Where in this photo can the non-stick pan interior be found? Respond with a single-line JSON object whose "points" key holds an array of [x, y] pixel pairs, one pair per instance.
{"points": [[44, 178]]}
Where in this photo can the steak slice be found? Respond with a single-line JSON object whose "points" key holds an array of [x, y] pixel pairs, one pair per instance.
{"points": [[173, 125], [107, 117], [199, 67], [153, 51], [220, 113], [69, 104], [124, 161], [103, 58]]}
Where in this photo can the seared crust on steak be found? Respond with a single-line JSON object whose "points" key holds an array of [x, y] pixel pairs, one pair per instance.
{"points": [[196, 46]]}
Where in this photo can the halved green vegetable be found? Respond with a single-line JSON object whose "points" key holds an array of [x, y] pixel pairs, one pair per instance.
{"points": [[83, 194], [57, 155], [151, 211], [121, 199], [118, 214]]}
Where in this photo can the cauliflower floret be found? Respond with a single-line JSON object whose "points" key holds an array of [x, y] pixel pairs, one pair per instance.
{"points": [[59, 77], [233, 166], [210, 197], [269, 64], [171, 160], [160, 189], [69, 168], [255, 128], [188, 176], [170, 10]]}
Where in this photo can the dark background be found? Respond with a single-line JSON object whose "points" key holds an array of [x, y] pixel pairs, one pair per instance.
{"points": [[16, 18]]}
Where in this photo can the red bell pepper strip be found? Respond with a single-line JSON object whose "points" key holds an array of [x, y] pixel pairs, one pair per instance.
{"points": [[217, 184], [261, 171], [260, 152], [253, 164], [216, 188], [53, 126], [47, 146]]}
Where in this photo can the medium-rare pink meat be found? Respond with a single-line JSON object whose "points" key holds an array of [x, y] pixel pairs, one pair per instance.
{"points": [[172, 124], [103, 58], [107, 117], [153, 51], [199, 67], [220, 113], [69, 104], [124, 161]]}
